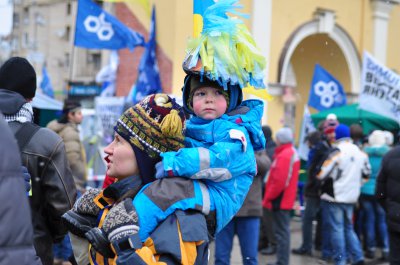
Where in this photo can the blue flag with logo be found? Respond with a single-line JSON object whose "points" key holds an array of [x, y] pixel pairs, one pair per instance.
{"points": [[96, 29], [326, 91], [45, 84], [148, 81]]}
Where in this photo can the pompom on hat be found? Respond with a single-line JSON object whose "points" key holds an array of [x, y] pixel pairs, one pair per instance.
{"points": [[154, 125], [225, 53]]}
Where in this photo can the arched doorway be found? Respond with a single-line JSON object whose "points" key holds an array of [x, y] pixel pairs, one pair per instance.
{"points": [[317, 42]]}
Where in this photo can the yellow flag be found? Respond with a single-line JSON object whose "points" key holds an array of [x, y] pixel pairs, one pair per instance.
{"points": [[261, 93], [145, 4]]}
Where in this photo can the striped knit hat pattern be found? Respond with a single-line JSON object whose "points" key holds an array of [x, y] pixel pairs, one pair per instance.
{"points": [[154, 125]]}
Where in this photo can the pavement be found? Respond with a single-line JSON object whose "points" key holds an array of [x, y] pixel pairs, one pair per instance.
{"points": [[296, 240]]}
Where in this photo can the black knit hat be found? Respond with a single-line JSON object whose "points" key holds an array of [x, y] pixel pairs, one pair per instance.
{"points": [[18, 75]]}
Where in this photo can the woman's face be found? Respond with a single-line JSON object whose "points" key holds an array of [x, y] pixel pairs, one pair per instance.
{"points": [[121, 160]]}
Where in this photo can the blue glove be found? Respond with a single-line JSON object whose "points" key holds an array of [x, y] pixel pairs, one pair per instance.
{"points": [[27, 178], [160, 173]]}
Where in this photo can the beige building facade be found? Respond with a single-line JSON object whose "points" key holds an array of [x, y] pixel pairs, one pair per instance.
{"points": [[294, 36], [43, 32]]}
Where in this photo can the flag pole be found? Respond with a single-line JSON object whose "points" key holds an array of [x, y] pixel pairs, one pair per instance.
{"points": [[72, 60]]}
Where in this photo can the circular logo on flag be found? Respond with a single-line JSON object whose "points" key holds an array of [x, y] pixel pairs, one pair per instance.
{"points": [[99, 26], [328, 93]]}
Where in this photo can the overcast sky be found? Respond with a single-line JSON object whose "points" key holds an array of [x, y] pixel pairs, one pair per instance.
{"points": [[5, 17]]}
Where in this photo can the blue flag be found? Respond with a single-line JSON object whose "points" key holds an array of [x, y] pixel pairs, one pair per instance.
{"points": [[148, 81], [96, 29], [326, 91], [45, 85]]}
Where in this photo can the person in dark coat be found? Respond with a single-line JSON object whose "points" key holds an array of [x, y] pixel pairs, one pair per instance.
{"points": [[388, 195], [319, 148], [16, 240], [53, 187], [271, 145], [267, 242], [246, 223]]}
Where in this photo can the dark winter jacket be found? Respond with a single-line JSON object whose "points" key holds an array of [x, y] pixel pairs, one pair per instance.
{"points": [[252, 205], [16, 240], [320, 152], [388, 187], [270, 144], [53, 187]]}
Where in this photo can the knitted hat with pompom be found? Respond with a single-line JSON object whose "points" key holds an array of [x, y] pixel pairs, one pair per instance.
{"points": [[153, 126]]}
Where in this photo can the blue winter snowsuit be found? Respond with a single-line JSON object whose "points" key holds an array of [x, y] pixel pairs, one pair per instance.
{"points": [[217, 166]]}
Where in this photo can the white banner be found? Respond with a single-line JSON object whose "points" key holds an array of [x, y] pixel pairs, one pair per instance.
{"points": [[108, 110], [380, 89], [306, 127]]}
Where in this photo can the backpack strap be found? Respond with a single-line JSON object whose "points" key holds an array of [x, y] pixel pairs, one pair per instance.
{"points": [[25, 134]]}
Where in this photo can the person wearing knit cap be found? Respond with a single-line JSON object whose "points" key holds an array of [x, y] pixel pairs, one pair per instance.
{"points": [[153, 126], [281, 189], [342, 172], [223, 158], [214, 171], [43, 154]]}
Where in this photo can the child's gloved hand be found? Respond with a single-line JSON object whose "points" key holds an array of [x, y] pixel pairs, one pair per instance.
{"points": [[160, 173], [120, 227]]}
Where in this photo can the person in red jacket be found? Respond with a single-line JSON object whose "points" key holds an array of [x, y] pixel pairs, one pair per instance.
{"points": [[281, 189]]}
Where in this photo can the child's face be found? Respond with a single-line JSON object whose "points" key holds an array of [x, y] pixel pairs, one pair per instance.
{"points": [[209, 103], [121, 160]]}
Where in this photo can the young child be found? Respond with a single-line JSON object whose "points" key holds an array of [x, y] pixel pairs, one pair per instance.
{"points": [[220, 141]]}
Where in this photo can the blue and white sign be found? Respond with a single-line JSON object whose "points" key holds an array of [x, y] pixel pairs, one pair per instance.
{"points": [[380, 89], [96, 29], [326, 91]]}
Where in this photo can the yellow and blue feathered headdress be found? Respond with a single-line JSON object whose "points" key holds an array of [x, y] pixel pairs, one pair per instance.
{"points": [[225, 51]]}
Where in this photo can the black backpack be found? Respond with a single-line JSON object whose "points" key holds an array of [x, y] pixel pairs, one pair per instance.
{"points": [[25, 133]]}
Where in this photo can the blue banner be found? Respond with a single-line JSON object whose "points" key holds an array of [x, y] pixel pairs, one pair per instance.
{"points": [[326, 91], [148, 81], [45, 85], [96, 29]]}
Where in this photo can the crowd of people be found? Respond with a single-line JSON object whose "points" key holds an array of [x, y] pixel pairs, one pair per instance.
{"points": [[185, 180], [181, 177], [346, 193]]}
